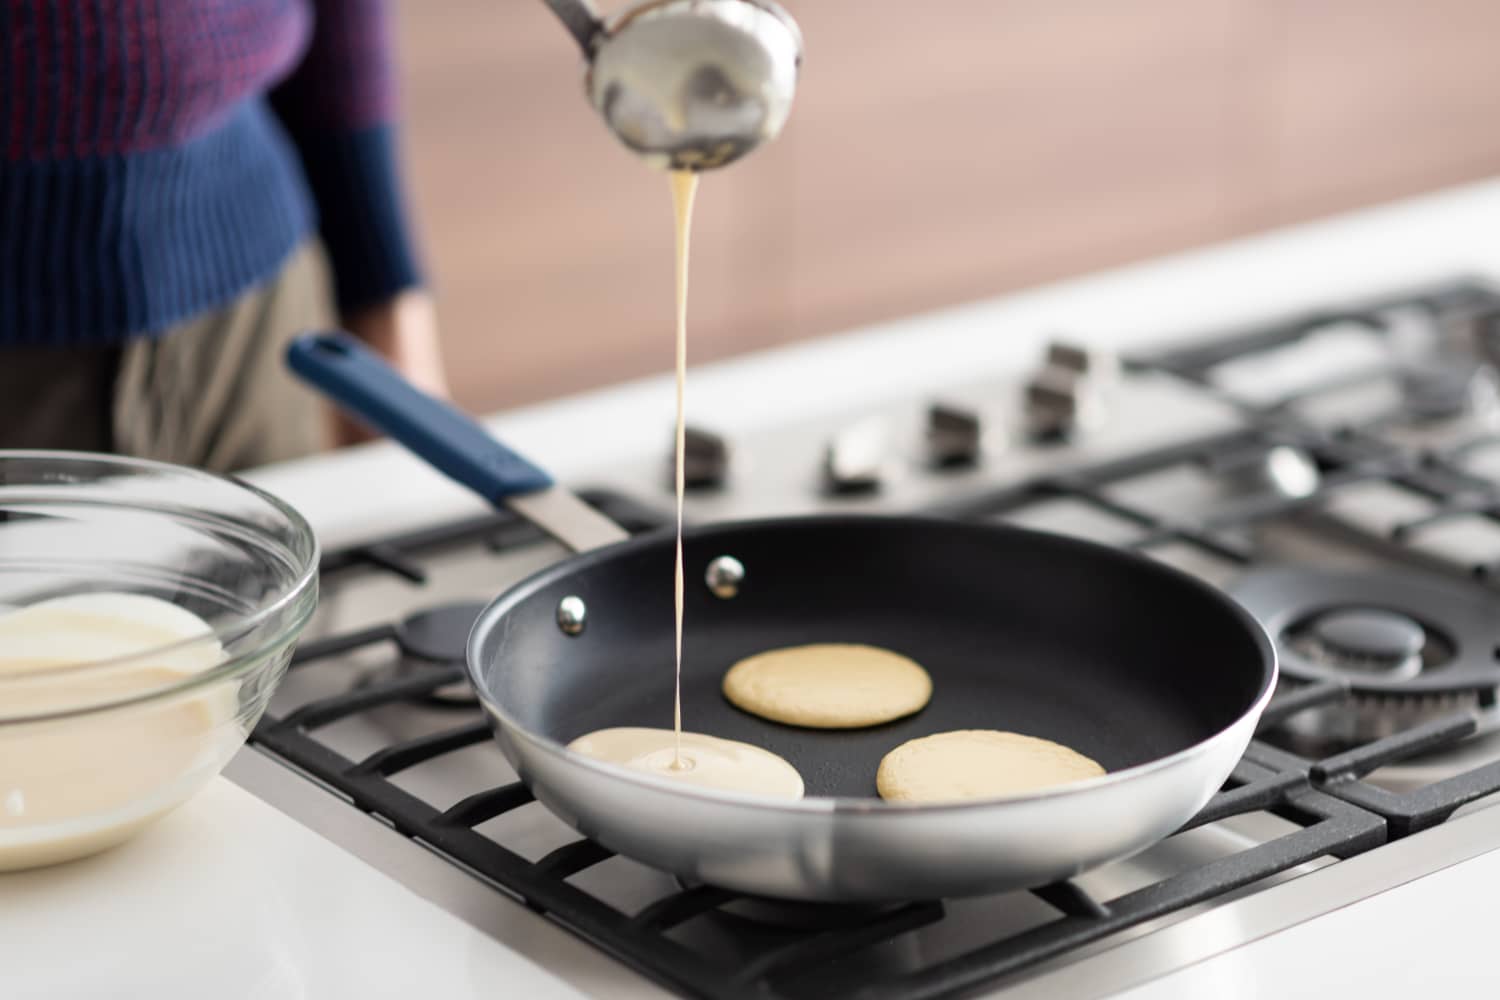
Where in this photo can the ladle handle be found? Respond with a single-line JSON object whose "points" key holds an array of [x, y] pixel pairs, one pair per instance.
{"points": [[362, 383], [581, 20]]}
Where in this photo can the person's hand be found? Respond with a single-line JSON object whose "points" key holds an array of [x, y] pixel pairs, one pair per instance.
{"points": [[404, 332]]}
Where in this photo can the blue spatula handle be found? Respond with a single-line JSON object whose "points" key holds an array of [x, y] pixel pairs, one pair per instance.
{"points": [[360, 382]]}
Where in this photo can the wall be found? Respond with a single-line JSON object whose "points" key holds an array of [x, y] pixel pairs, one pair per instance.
{"points": [[938, 152]]}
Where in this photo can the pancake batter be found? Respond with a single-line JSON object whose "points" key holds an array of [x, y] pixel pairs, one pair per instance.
{"points": [[77, 785], [694, 759], [684, 188], [978, 764], [828, 685]]}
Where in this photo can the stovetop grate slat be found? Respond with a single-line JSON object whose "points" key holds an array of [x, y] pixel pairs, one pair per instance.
{"points": [[1364, 759], [670, 911], [394, 759], [1406, 812], [333, 645], [335, 707], [1411, 812], [822, 946], [570, 859], [482, 807], [1253, 791], [591, 918], [1288, 703], [1339, 827], [391, 560], [1071, 901]]}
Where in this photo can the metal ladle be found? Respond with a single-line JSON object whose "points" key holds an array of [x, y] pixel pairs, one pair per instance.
{"points": [[689, 84]]}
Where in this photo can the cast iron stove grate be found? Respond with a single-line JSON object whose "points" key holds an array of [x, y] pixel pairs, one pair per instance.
{"points": [[1318, 799], [1329, 810]]}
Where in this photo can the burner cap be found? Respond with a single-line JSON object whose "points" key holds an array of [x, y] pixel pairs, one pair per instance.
{"points": [[439, 634], [1371, 638], [1347, 627], [1445, 390]]}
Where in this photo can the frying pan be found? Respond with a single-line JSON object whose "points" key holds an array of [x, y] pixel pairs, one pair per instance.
{"points": [[1151, 672]]}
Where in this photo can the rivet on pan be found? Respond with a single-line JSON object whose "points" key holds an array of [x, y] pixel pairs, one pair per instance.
{"points": [[724, 576], [570, 614]]}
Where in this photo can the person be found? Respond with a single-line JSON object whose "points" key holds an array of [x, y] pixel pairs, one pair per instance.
{"points": [[184, 186]]}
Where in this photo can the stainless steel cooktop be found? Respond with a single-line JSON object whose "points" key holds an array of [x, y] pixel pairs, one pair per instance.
{"points": [[1339, 472]]}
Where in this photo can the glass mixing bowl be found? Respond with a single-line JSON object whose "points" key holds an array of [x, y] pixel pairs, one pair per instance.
{"points": [[147, 612]]}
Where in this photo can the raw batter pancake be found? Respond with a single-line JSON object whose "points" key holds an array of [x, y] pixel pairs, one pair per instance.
{"points": [[828, 686], [710, 762], [978, 764]]}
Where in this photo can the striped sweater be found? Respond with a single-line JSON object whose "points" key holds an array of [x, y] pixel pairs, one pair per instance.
{"points": [[159, 157]]}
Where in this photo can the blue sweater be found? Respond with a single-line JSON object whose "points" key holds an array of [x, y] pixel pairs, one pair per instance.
{"points": [[160, 157]]}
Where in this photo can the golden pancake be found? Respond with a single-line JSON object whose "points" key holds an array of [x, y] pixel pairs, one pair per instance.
{"points": [[978, 764], [828, 685]]}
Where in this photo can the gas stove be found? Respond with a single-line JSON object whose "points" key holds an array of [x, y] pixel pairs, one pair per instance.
{"points": [[1337, 471]]}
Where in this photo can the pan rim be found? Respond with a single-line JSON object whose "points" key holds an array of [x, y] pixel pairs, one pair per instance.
{"points": [[821, 805]]}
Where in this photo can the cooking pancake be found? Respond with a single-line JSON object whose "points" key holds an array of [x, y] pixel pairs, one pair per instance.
{"points": [[699, 759], [978, 764], [828, 685]]}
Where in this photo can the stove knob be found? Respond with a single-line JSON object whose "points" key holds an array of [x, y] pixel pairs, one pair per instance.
{"points": [[1476, 329], [856, 457], [1444, 389], [953, 436], [1057, 404], [1068, 394], [1087, 362], [705, 460]]}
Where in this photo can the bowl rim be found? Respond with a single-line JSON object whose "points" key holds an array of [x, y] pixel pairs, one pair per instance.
{"points": [[305, 579]]}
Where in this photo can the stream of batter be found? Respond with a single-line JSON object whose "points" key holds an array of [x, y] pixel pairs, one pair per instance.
{"points": [[693, 758], [684, 189]]}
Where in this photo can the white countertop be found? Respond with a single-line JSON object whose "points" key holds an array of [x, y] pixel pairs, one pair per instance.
{"points": [[229, 898], [1368, 950]]}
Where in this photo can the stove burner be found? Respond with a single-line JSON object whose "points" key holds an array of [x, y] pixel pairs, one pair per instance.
{"points": [[1369, 640], [1385, 633], [1409, 646], [440, 635]]}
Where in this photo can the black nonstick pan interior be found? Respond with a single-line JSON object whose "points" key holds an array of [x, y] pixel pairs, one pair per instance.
{"points": [[1120, 658]]}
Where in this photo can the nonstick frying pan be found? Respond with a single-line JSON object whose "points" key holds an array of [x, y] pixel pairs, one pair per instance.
{"points": [[1151, 672]]}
